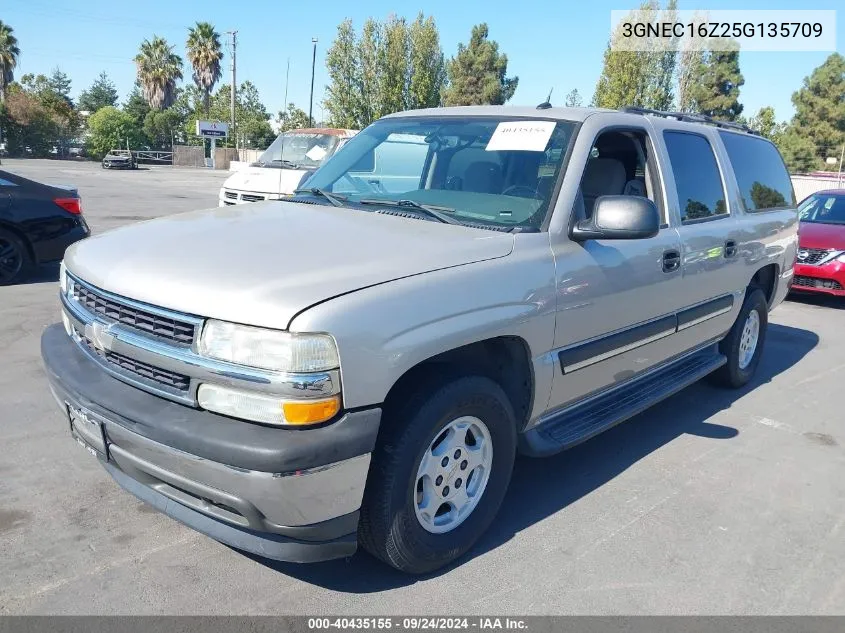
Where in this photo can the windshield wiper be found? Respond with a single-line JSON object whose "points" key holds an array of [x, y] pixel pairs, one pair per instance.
{"points": [[335, 199], [285, 163], [438, 213]]}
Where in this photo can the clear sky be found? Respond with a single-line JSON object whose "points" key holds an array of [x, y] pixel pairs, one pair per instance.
{"points": [[549, 43]]}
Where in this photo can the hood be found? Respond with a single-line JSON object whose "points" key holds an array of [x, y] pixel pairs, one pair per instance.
{"points": [[265, 180], [262, 263], [815, 235]]}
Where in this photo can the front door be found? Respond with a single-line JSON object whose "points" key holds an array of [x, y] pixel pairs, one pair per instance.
{"points": [[616, 299]]}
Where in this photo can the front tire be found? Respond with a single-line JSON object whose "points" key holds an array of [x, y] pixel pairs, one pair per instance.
{"points": [[439, 473], [744, 343]]}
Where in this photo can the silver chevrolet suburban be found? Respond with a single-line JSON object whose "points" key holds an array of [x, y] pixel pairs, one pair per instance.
{"points": [[361, 362]]}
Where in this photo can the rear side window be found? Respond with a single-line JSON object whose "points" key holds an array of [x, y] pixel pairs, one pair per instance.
{"points": [[762, 177], [697, 179]]}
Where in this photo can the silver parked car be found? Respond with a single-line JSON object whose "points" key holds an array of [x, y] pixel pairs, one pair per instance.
{"points": [[455, 286]]}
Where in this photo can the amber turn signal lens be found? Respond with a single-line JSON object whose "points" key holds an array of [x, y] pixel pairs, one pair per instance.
{"points": [[311, 412]]}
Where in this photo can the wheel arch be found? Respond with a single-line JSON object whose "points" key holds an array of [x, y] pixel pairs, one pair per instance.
{"points": [[504, 359], [765, 278]]}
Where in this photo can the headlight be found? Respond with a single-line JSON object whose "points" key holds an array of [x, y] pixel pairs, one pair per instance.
{"points": [[264, 408], [268, 349]]}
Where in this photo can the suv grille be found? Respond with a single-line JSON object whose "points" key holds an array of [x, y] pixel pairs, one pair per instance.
{"points": [[251, 197], [142, 370], [180, 332], [812, 282], [813, 257], [230, 194]]}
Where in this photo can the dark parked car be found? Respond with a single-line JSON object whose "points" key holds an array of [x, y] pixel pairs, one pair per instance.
{"points": [[37, 223], [119, 159]]}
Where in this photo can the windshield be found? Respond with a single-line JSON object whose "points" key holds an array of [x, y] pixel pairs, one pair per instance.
{"points": [[823, 208], [296, 149], [482, 170]]}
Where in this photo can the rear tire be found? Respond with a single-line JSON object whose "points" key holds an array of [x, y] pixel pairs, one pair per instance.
{"points": [[744, 343], [15, 260], [392, 526]]}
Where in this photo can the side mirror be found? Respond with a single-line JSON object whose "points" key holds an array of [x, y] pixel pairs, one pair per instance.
{"points": [[619, 218]]}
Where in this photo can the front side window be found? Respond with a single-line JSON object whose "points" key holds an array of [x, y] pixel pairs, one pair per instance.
{"points": [[823, 208], [479, 170], [293, 150], [760, 173], [700, 192]]}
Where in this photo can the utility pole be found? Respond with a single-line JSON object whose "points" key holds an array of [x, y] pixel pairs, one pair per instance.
{"points": [[313, 64], [287, 80], [233, 130], [839, 175]]}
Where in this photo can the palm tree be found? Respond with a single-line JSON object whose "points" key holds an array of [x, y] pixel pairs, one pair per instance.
{"points": [[9, 52], [204, 54], [158, 70]]}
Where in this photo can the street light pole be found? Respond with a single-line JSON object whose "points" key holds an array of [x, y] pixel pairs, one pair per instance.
{"points": [[839, 175], [313, 65]]}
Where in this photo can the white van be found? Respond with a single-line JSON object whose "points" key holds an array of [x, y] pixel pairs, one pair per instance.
{"points": [[283, 166]]}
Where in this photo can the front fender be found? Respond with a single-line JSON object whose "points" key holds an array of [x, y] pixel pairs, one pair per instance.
{"points": [[385, 330]]}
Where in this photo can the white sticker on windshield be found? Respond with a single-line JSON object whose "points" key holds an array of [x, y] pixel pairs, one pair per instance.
{"points": [[526, 136], [316, 153]]}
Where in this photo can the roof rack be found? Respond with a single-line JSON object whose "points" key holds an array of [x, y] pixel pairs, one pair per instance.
{"points": [[691, 117]]}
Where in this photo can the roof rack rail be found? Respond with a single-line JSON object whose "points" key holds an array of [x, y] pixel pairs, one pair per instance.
{"points": [[690, 117]]}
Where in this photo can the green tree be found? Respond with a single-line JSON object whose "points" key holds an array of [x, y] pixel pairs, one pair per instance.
{"points": [[164, 127], [60, 84], [343, 97], [102, 93], [573, 99], [392, 66], [636, 73], [205, 55], [109, 128], [292, 119], [136, 105], [159, 68], [28, 123], [368, 107], [820, 109], [766, 124], [53, 94], [9, 53], [716, 84], [427, 65], [477, 73], [798, 151]]}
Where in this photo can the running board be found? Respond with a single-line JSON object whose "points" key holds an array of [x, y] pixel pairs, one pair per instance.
{"points": [[581, 421]]}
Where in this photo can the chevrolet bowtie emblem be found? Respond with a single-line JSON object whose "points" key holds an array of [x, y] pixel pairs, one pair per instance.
{"points": [[99, 335]]}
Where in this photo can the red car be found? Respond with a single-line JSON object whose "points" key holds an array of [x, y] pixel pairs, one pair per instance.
{"points": [[821, 244]]}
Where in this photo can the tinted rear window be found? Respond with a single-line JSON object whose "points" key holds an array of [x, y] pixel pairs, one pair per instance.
{"points": [[762, 177], [697, 178]]}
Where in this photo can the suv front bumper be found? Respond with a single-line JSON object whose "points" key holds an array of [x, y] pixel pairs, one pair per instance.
{"points": [[285, 494]]}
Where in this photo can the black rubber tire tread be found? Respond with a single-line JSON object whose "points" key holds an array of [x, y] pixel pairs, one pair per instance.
{"points": [[27, 264], [388, 528], [730, 375]]}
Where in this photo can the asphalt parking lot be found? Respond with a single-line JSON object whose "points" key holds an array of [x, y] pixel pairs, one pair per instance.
{"points": [[713, 502]]}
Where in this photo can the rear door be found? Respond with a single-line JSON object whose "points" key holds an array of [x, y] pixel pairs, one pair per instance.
{"points": [[707, 219]]}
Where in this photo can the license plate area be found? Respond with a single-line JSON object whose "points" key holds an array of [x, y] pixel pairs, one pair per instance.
{"points": [[87, 429]]}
